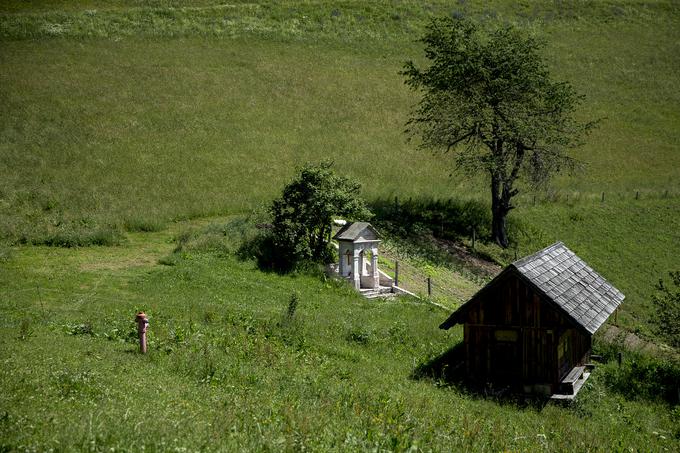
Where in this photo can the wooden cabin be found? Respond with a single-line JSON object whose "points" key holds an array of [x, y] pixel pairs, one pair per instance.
{"points": [[531, 327]]}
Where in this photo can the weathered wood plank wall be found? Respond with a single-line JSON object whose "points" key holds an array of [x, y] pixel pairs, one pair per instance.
{"points": [[513, 335]]}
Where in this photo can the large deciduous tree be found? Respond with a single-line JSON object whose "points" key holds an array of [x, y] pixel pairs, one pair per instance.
{"points": [[488, 97]]}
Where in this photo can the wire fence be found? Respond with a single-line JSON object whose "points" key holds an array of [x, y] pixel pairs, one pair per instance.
{"points": [[567, 196], [418, 281]]}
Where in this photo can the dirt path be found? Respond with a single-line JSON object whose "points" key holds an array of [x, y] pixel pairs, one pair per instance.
{"points": [[616, 335]]}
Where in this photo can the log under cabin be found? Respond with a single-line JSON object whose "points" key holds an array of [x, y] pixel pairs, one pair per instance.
{"points": [[531, 327]]}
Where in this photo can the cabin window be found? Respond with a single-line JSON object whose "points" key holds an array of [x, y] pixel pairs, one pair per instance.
{"points": [[505, 335], [349, 257]]}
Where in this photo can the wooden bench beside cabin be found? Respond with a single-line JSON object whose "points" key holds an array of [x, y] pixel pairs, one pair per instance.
{"points": [[567, 384]]}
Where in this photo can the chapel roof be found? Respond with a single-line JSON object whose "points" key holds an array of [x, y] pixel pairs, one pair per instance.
{"points": [[356, 230]]}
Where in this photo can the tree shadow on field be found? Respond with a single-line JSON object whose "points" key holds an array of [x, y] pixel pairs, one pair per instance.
{"points": [[448, 370], [444, 218]]}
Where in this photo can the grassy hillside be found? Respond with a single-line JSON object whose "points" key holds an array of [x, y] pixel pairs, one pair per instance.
{"points": [[228, 371], [111, 125], [119, 117]]}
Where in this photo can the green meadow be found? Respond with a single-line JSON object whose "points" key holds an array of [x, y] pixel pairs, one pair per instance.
{"points": [[123, 123], [228, 369]]}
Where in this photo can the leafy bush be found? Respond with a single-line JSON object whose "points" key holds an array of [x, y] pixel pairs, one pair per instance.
{"points": [[641, 376], [80, 329], [667, 316], [302, 219], [359, 335]]}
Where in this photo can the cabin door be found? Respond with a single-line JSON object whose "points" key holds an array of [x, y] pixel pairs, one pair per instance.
{"points": [[538, 356], [506, 356]]}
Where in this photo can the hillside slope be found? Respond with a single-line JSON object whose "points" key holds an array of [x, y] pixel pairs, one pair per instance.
{"points": [[228, 370], [127, 115]]}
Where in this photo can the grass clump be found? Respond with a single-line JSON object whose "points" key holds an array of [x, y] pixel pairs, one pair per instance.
{"points": [[68, 234], [292, 307], [222, 238], [359, 335], [5, 253], [291, 328], [25, 329], [143, 224], [67, 237], [645, 377]]}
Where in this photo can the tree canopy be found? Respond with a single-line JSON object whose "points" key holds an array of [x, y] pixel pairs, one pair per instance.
{"points": [[488, 97], [302, 217]]}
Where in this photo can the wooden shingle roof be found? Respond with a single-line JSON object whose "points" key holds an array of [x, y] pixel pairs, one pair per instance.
{"points": [[357, 230], [566, 280]]}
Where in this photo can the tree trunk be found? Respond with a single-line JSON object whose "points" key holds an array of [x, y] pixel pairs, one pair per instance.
{"points": [[502, 192], [499, 227], [500, 207], [319, 244]]}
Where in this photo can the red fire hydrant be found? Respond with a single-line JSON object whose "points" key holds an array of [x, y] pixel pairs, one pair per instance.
{"points": [[142, 324]]}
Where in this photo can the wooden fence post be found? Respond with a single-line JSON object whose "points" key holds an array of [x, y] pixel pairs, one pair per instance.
{"points": [[637, 195], [602, 197], [429, 287], [396, 273], [474, 237]]}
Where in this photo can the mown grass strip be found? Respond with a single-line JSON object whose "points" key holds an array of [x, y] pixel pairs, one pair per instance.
{"points": [[349, 20]]}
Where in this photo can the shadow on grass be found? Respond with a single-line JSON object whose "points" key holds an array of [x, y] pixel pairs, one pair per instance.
{"points": [[447, 219], [448, 370], [436, 229]]}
